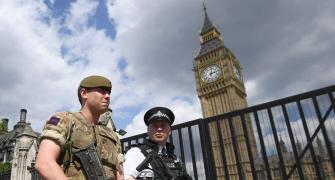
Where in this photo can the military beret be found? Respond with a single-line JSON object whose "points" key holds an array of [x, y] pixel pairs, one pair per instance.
{"points": [[95, 81], [158, 114], [92, 82]]}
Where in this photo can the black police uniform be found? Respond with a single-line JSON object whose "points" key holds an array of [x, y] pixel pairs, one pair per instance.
{"points": [[164, 166]]}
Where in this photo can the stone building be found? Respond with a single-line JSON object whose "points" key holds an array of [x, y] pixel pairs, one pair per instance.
{"points": [[220, 88], [19, 147], [307, 164]]}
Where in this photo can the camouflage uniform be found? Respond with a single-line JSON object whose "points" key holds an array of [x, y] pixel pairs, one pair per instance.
{"points": [[73, 132]]}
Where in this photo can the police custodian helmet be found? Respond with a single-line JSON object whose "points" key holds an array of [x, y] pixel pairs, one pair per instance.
{"points": [[93, 82], [158, 114]]}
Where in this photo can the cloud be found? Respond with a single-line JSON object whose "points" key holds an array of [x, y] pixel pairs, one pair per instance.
{"points": [[284, 48], [184, 111], [79, 14], [159, 69], [41, 65], [29, 65], [276, 44]]}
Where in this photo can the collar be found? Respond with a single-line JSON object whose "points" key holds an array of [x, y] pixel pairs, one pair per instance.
{"points": [[156, 147]]}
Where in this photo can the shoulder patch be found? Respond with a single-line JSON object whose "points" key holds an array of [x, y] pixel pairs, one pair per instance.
{"points": [[53, 120]]}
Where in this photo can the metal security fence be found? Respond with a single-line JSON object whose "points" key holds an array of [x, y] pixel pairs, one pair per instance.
{"points": [[189, 146], [289, 138]]}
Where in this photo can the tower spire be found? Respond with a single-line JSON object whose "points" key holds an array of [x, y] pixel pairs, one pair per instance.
{"points": [[282, 145], [207, 22]]}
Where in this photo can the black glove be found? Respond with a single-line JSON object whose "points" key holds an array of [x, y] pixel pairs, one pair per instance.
{"points": [[184, 176]]}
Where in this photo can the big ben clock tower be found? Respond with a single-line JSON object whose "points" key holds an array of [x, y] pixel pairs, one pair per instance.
{"points": [[218, 75], [220, 88]]}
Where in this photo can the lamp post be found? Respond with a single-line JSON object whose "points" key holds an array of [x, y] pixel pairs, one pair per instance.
{"points": [[32, 170]]}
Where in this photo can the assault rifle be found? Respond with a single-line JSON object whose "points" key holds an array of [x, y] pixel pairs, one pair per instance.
{"points": [[91, 162], [160, 169]]}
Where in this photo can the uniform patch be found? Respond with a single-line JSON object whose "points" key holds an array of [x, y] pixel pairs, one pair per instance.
{"points": [[171, 165], [53, 120]]}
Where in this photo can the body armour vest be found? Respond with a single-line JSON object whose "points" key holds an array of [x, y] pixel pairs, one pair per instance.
{"points": [[80, 135], [164, 166]]}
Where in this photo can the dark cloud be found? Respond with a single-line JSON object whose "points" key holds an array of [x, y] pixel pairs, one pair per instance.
{"points": [[285, 47]]}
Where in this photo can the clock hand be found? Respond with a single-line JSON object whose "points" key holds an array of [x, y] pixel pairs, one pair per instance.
{"points": [[211, 72]]}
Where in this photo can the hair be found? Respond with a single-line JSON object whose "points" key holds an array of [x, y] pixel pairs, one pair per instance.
{"points": [[79, 96], [86, 88]]}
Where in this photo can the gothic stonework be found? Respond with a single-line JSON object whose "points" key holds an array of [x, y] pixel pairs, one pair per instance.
{"points": [[220, 88], [19, 147], [24, 154], [218, 74]]}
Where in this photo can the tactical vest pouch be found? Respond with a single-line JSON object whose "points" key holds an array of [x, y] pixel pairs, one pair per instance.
{"points": [[108, 149], [90, 162], [165, 167], [159, 168]]}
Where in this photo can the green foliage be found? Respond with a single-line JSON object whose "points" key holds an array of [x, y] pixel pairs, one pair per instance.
{"points": [[2, 127], [5, 166]]}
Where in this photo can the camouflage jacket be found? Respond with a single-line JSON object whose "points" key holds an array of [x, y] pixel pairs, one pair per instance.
{"points": [[73, 132]]}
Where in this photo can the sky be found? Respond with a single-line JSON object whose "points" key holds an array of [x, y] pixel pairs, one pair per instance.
{"points": [[146, 48]]}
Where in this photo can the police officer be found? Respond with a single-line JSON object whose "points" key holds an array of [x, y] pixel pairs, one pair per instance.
{"points": [[155, 159], [67, 135]]}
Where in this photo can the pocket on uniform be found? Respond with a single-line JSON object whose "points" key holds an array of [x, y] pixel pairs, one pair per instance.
{"points": [[82, 136], [109, 148], [108, 136]]}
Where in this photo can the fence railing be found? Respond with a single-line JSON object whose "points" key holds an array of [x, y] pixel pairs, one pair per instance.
{"points": [[289, 138]]}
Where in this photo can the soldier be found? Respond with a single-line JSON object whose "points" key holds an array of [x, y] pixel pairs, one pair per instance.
{"points": [[74, 146], [155, 158]]}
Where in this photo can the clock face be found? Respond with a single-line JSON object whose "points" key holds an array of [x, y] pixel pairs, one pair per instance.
{"points": [[236, 72], [211, 73]]}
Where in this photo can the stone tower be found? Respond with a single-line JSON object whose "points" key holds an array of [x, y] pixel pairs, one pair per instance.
{"points": [[18, 148], [24, 154], [218, 75], [220, 88]]}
